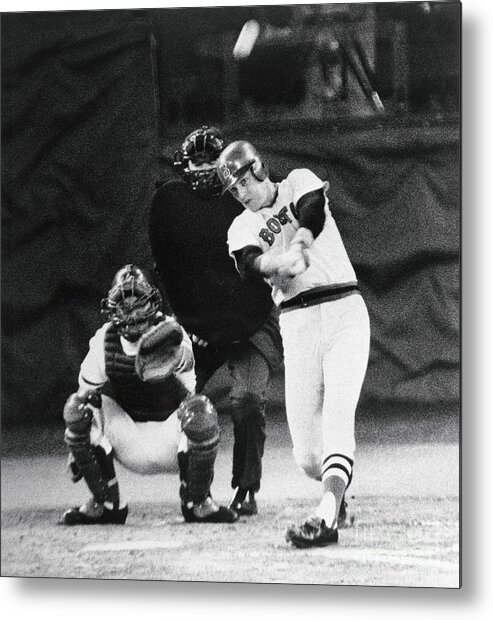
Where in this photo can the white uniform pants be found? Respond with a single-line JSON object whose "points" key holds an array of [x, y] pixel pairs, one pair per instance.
{"points": [[326, 349], [141, 447]]}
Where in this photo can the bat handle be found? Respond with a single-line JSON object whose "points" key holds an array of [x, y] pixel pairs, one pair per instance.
{"points": [[377, 102]]}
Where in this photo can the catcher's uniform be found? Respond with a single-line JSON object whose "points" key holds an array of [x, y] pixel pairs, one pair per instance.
{"points": [[137, 418], [324, 326]]}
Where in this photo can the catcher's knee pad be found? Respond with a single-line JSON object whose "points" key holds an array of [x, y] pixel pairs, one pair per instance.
{"points": [[78, 419], [199, 422], [198, 419], [247, 406]]}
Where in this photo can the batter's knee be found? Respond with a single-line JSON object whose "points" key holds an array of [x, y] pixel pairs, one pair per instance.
{"points": [[198, 419], [247, 406], [309, 463]]}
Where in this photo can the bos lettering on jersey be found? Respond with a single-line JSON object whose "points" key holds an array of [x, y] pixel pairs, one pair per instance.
{"points": [[273, 227], [274, 224]]}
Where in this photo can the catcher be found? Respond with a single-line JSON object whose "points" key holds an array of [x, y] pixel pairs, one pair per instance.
{"points": [[136, 403]]}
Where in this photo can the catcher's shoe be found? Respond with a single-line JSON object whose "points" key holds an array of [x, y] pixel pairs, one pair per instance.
{"points": [[242, 506], [313, 533], [92, 513], [208, 512]]}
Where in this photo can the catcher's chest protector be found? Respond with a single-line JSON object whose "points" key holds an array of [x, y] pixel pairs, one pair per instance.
{"points": [[143, 402]]}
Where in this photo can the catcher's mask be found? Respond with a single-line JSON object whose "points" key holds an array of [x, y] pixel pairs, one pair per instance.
{"points": [[236, 160], [201, 146], [132, 303]]}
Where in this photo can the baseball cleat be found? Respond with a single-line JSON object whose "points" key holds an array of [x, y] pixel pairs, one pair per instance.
{"points": [[208, 512], [91, 514], [313, 533], [246, 508], [242, 506]]}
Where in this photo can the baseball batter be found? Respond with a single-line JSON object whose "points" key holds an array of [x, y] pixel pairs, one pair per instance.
{"points": [[287, 235], [136, 403]]}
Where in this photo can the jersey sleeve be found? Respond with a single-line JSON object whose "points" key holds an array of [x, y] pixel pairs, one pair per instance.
{"points": [[303, 181], [241, 234], [92, 374]]}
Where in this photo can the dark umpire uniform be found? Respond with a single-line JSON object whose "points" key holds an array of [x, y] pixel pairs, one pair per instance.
{"points": [[232, 321]]}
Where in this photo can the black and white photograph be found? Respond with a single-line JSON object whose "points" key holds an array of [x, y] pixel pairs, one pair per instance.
{"points": [[231, 294]]}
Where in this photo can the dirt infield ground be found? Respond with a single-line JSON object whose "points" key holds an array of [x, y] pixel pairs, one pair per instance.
{"points": [[404, 500]]}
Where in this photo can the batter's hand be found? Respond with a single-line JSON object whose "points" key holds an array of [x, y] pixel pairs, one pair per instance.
{"points": [[293, 261], [304, 236]]}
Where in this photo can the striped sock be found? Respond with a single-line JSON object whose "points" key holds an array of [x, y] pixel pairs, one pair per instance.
{"points": [[337, 471]]}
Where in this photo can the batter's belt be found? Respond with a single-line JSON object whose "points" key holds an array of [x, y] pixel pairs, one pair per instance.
{"points": [[319, 295]]}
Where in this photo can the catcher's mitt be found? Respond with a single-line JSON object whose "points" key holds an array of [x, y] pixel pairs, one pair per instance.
{"points": [[159, 351]]}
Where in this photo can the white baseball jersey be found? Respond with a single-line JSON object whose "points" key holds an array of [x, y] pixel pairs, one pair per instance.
{"points": [[272, 229]]}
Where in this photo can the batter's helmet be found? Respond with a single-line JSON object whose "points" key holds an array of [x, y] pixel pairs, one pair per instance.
{"points": [[236, 160], [132, 302], [201, 146]]}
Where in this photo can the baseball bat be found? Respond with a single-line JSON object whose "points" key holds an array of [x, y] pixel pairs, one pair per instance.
{"points": [[358, 62]]}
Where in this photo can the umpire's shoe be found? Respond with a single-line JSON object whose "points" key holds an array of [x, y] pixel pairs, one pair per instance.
{"points": [[208, 512], [241, 505], [313, 533], [92, 513]]}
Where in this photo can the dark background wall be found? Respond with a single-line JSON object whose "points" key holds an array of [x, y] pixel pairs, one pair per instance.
{"points": [[94, 104]]}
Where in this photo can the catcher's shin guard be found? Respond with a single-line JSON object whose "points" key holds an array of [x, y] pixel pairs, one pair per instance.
{"points": [[183, 466], [199, 422], [90, 462], [249, 439]]}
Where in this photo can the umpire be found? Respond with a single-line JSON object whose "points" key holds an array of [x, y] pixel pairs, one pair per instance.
{"points": [[232, 321]]}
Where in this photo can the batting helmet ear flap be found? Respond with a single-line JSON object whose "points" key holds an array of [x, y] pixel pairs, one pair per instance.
{"points": [[259, 170]]}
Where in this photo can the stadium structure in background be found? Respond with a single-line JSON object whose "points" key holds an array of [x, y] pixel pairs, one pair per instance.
{"points": [[322, 61]]}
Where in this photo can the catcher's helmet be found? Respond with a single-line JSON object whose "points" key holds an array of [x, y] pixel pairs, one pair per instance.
{"points": [[132, 302], [236, 160], [201, 146]]}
